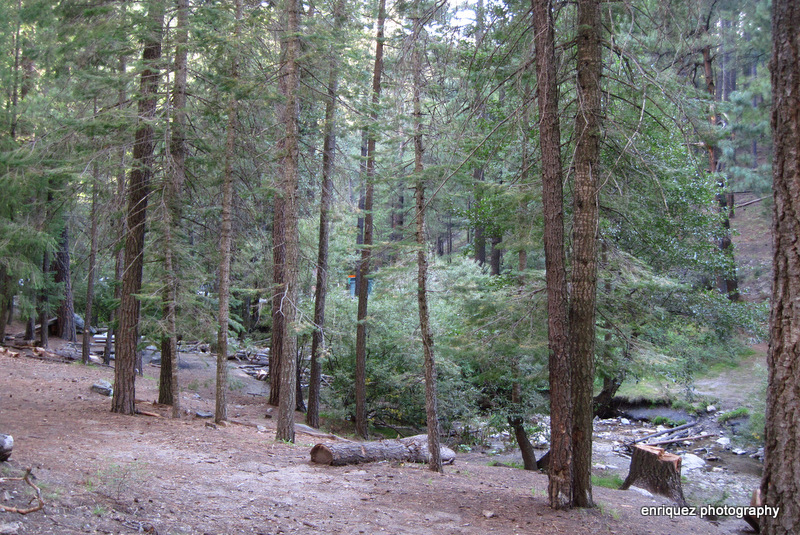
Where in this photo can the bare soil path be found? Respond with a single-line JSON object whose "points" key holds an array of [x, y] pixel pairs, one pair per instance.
{"points": [[106, 473]]}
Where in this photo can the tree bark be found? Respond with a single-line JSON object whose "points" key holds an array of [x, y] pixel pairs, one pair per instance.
{"points": [[560, 461], [287, 197], [366, 252], [44, 306], [525, 446], [168, 391], [66, 310], [226, 232], [5, 301], [328, 157], [412, 449], [657, 471], [138, 192], [780, 485], [584, 264], [431, 402], [119, 226], [87, 319]]}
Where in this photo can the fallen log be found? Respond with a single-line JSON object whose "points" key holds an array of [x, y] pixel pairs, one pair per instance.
{"points": [[657, 471], [664, 432], [681, 439], [412, 449], [6, 445]]}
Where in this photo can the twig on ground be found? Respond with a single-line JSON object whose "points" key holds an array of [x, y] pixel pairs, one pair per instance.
{"points": [[27, 479]]}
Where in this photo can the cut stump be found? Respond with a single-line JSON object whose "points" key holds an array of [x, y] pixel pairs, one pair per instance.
{"points": [[412, 449], [657, 471]]}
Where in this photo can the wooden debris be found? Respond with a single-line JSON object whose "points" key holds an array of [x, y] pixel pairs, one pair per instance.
{"points": [[27, 479], [8, 353], [681, 439], [755, 501], [148, 413], [671, 431], [657, 471], [412, 449]]}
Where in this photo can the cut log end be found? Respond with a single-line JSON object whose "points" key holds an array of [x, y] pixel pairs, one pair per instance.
{"points": [[321, 454]]}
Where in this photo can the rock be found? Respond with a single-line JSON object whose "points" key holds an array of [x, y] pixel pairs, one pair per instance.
{"points": [[489, 514], [6, 445], [692, 462], [717, 469], [103, 387], [725, 442], [711, 408], [203, 414], [643, 492], [10, 528], [758, 455], [624, 421], [739, 451]]}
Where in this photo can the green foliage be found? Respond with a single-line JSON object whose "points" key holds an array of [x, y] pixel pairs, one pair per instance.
{"points": [[610, 481], [741, 412]]}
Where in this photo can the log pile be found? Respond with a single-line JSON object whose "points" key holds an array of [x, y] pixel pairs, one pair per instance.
{"points": [[654, 469], [412, 449]]}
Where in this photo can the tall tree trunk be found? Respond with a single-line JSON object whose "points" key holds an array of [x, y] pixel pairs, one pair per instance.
{"points": [[479, 240], [66, 310], [560, 471], [727, 283], [431, 403], [780, 485], [168, 391], [87, 319], [138, 192], [226, 232], [287, 197], [584, 264], [366, 252], [44, 305], [119, 226], [5, 301], [328, 156]]}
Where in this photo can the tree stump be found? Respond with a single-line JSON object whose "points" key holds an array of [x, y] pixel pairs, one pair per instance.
{"points": [[412, 449], [6, 445], [657, 471]]}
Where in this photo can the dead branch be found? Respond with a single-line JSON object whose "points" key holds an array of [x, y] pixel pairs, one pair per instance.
{"points": [[27, 479], [683, 439], [665, 432]]}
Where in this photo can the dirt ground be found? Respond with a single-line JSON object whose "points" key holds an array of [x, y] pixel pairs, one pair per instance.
{"points": [[106, 473]]}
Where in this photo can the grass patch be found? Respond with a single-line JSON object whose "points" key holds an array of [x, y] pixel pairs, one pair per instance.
{"points": [[669, 422], [610, 481], [741, 412], [607, 511], [509, 464]]}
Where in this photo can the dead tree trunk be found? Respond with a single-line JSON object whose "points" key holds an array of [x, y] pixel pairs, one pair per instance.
{"points": [[657, 471], [412, 449]]}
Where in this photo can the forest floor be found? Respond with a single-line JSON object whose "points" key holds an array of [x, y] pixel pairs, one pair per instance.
{"points": [[107, 473]]}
